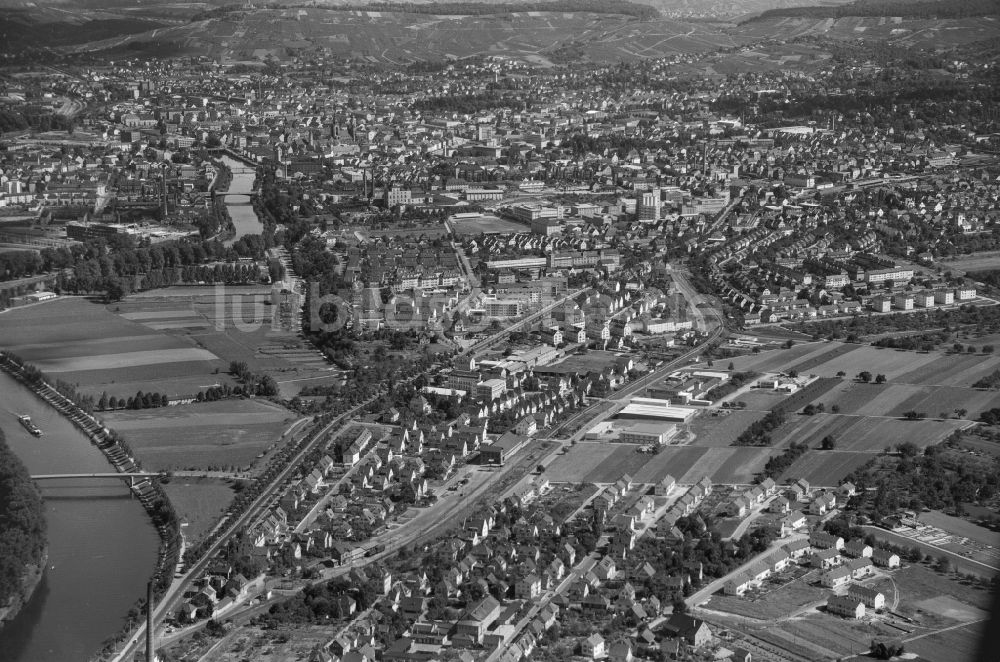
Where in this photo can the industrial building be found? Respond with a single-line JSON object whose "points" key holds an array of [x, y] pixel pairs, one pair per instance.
{"points": [[650, 408]]}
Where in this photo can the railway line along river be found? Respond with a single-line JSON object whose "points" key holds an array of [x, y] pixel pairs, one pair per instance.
{"points": [[102, 545]]}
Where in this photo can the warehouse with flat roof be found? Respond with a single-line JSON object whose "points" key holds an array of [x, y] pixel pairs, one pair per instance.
{"points": [[651, 408]]}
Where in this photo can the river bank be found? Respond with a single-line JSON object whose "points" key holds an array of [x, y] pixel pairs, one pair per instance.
{"points": [[102, 547], [33, 574], [23, 539], [116, 451]]}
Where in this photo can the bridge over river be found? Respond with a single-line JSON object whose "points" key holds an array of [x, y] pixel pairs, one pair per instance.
{"points": [[132, 476]]}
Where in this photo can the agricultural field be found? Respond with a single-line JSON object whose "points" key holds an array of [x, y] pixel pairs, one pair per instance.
{"points": [[199, 502], [183, 336], [829, 355], [863, 433], [605, 463], [961, 370], [777, 360], [826, 468], [101, 351], [947, 399], [222, 435], [893, 363], [894, 399]]}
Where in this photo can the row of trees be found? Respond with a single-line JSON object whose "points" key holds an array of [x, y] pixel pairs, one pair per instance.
{"points": [[139, 401], [759, 432], [778, 464]]}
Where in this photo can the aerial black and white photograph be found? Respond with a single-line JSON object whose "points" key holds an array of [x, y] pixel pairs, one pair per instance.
{"points": [[510, 331]]}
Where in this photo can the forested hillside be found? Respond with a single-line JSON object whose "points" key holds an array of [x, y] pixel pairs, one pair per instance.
{"points": [[22, 523], [903, 8]]}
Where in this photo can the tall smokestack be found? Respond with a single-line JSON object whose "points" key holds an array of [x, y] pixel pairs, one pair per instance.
{"points": [[149, 622]]}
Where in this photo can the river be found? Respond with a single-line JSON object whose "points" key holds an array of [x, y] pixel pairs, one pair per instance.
{"points": [[102, 545], [241, 211]]}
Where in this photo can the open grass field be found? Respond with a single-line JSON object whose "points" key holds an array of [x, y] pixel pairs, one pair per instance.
{"points": [[777, 360], [832, 352], [976, 262], [917, 584], [778, 603], [960, 644], [578, 461], [720, 427], [605, 463], [222, 435], [484, 225], [841, 635], [199, 502], [760, 399]]}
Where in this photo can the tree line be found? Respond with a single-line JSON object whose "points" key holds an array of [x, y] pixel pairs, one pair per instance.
{"points": [[878, 8], [937, 479], [123, 255], [759, 432]]}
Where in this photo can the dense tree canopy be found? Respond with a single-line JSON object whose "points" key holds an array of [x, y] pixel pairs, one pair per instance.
{"points": [[22, 522]]}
